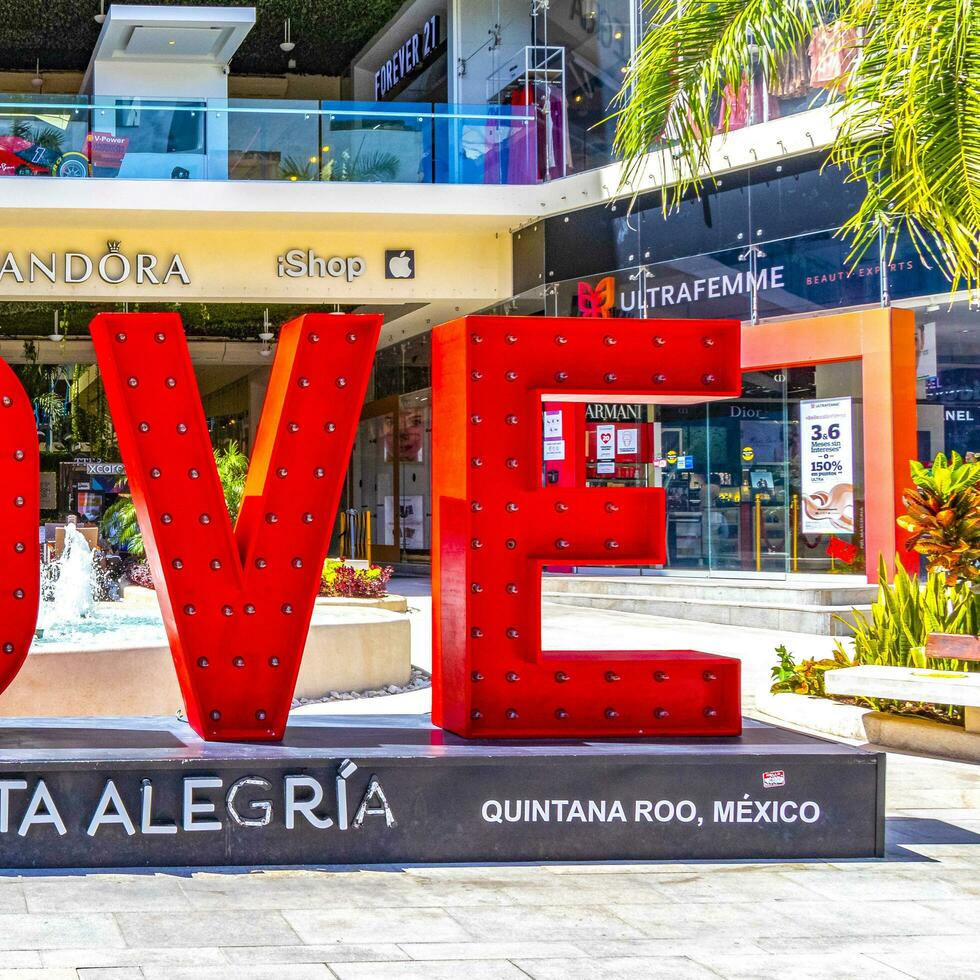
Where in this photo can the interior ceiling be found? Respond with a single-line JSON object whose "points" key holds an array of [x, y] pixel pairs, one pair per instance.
{"points": [[327, 33]]}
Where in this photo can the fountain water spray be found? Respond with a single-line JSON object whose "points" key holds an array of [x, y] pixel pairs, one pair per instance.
{"points": [[73, 588]]}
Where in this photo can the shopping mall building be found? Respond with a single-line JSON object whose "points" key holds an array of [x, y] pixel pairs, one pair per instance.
{"points": [[241, 164]]}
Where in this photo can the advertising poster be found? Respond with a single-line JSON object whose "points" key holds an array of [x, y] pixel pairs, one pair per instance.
{"points": [[554, 449], [627, 442], [605, 442], [49, 491], [827, 471], [411, 513]]}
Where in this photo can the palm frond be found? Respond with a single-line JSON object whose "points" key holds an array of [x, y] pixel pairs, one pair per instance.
{"points": [[909, 113]]}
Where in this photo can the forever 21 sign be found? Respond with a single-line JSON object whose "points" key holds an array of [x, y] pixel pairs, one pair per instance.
{"points": [[408, 59]]}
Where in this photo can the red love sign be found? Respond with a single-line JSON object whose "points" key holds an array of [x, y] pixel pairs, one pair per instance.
{"points": [[236, 603], [20, 499], [497, 526]]}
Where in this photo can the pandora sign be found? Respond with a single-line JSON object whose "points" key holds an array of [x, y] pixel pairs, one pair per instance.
{"points": [[113, 266]]}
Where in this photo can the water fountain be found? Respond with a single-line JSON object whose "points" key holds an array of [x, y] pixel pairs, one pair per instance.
{"points": [[91, 657], [69, 612], [73, 592]]}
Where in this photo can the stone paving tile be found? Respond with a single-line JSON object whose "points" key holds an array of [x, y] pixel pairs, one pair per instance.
{"points": [[442, 970], [334, 953], [927, 946], [817, 918], [110, 973], [951, 963], [798, 966], [39, 974], [129, 956], [12, 896], [21, 959], [585, 890], [205, 928], [106, 893], [300, 890], [394, 925], [721, 884], [544, 922], [647, 948], [280, 971], [963, 911], [491, 951], [480, 887], [26, 931], [910, 883], [623, 968]]}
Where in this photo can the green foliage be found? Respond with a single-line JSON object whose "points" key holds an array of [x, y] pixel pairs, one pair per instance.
{"points": [[121, 529], [362, 167], [943, 516], [908, 117], [293, 168], [120, 525], [232, 466], [806, 677], [906, 612]]}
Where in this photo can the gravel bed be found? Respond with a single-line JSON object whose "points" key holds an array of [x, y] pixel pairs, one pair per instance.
{"points": [[418, 680]]}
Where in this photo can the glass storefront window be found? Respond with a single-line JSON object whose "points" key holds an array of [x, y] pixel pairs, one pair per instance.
{"points": [[597, 36], [947, 376]]}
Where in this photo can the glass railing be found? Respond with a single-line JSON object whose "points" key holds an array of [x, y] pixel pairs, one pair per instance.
{"points": [[235, 139]]}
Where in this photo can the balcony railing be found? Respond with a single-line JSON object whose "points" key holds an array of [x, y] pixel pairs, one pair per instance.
{"points": [[237, 139]]}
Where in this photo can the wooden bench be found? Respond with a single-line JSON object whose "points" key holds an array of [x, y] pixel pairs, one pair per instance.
{"points": [[919, 684]]}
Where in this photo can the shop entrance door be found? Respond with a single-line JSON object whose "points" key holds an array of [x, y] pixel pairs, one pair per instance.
{"points": [[748, 479], [374, 477]]}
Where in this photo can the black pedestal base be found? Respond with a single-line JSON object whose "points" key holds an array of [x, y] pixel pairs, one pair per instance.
{"points": [[129, 792]]}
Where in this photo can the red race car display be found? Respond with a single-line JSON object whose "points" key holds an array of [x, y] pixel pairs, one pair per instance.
{"points": [[22, 158]]}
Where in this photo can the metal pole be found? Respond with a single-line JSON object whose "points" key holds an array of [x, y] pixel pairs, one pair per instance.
{"points": [[758, 533]]}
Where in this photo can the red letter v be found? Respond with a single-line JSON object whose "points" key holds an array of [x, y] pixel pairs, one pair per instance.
{"points": [[236, 604], [20, 580]]}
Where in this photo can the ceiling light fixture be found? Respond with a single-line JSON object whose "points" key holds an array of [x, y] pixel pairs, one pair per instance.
{"points": [[287, 36], [56, 337], [37, 81], [100, 16], [267, 333]]}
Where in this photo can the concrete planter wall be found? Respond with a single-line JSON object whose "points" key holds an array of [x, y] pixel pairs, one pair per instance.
{"points": [[864, 725], [348, 649]]}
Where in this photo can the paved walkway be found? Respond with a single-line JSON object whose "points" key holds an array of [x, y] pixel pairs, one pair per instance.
{"points": [[914, 914]]}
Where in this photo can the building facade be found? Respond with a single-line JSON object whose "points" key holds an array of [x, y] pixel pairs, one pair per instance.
{"points": [[454, 157]]}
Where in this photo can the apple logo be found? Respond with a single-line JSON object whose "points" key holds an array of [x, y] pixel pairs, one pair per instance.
{"points": [[400, 264]]}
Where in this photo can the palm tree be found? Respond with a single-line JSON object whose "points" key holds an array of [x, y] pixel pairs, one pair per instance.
{"points": [[908, 111], [120, 525]]}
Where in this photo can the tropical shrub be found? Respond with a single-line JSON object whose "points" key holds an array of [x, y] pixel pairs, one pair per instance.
{"points": [[906, 612], [806, 677], [341, 579], [120, 526], [138, 572], [943, 517]]}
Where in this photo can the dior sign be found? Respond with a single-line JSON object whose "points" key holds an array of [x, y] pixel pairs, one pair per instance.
{"points": [[113, 267]]}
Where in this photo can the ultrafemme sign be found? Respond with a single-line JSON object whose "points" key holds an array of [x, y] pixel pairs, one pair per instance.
{"points": [[237, 602]]}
